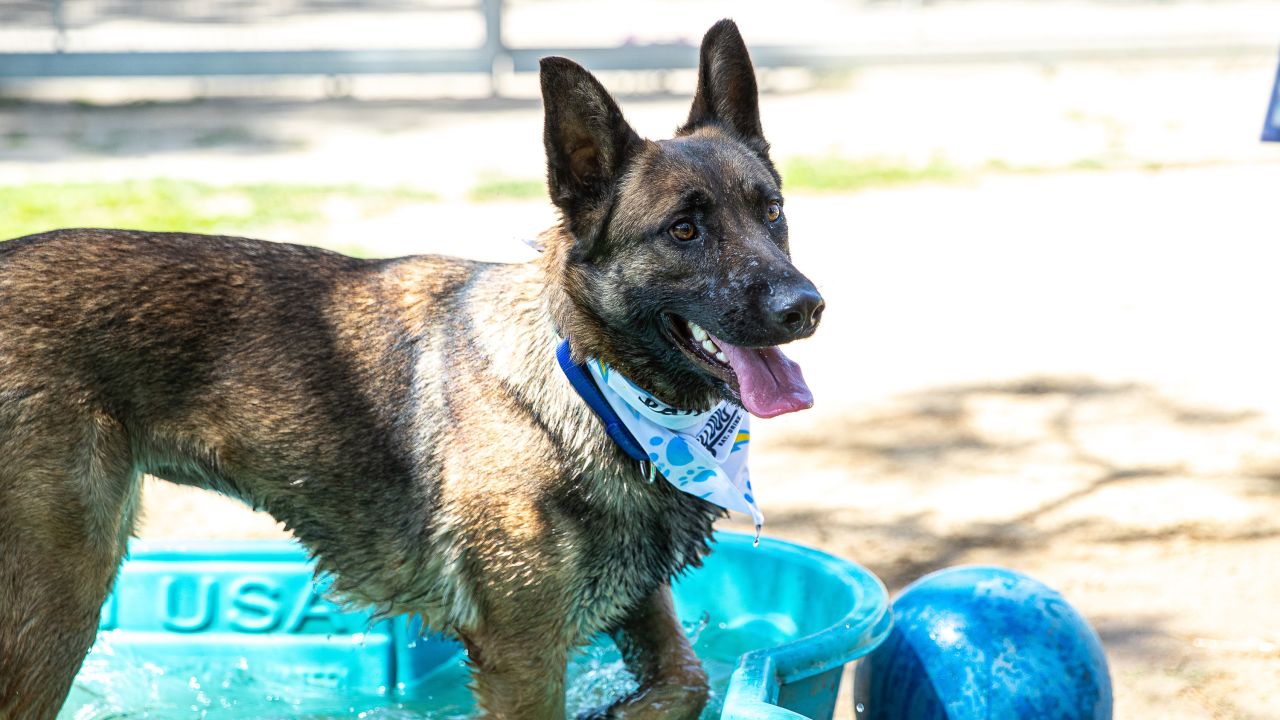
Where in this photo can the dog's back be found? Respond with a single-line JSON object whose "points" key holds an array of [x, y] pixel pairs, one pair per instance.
{"points": [[226, 350]]}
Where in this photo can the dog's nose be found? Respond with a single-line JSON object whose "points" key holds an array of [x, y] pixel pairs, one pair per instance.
{"points": [[798, 309]]}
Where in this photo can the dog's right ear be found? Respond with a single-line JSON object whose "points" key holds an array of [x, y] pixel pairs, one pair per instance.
{"points": [[587, 142]]}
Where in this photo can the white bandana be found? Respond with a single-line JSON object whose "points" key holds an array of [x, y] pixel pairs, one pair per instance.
{"points": [[701, 453]]}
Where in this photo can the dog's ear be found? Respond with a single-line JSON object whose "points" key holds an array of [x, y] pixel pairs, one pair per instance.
{"points": [[727, 87], [587, 142]]}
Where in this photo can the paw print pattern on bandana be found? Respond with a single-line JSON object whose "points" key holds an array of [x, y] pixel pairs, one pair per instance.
{"points": [[678, 453]]}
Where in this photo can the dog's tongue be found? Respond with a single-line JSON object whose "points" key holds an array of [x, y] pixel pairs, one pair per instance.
{"points": [[770, 383]]}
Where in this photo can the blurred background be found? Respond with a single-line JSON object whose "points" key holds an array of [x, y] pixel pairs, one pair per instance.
{"points": [[1047, 234]]}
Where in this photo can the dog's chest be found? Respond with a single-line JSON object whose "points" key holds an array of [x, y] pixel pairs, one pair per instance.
{"points": [[625, 550]]}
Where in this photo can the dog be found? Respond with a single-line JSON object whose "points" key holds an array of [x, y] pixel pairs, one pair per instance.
{"points": [[406, 418]]}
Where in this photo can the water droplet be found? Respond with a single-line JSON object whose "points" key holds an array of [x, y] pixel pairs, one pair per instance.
{"points": [[859, 707]]}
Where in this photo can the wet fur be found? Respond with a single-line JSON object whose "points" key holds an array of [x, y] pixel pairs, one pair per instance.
{"points": [[404, 418]]}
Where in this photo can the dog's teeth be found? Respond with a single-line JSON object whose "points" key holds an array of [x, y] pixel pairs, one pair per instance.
{"points": [[721, 357], [710, 347], [698, 333]]}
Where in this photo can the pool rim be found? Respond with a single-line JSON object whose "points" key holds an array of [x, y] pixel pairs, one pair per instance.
{"points": [[756, 683]]}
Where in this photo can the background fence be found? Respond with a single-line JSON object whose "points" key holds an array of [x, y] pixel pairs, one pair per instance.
{"points": [[70, 38]]}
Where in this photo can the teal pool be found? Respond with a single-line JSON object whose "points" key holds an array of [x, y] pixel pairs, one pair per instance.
{"points": [[239, 630]]}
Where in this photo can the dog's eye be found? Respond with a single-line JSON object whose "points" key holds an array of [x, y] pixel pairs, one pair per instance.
{"points": [[684, 230], [773, 212]]}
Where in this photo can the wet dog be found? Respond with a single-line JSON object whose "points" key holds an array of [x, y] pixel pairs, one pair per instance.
{"points": [[406, 418]]}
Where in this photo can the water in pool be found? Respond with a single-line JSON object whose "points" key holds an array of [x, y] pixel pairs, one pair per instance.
{"points": [[113, 684]]}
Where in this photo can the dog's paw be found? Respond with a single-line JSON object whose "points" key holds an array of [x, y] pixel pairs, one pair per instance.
{"points": [[662, 702]]}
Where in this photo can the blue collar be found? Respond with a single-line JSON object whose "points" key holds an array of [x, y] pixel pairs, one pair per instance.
{"points": [[581, 380]]}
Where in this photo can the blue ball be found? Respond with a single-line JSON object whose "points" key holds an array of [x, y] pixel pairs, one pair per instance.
{"points": [[972, 643]]}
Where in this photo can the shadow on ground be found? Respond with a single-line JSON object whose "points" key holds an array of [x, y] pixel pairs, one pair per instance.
{"points": [[1045, 461]]}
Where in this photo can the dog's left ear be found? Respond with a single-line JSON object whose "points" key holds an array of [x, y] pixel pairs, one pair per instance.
{"points": [[727, 88], [587, 142]]}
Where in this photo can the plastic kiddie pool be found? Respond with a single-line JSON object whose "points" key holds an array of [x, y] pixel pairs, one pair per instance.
{"points": [[241, 630]]}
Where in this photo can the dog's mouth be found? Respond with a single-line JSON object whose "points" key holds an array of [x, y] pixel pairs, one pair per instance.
{"points": [[766, 382]]}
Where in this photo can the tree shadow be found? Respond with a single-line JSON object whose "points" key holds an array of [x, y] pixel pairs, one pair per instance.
{"points": [[936, 434], [52, 131]]}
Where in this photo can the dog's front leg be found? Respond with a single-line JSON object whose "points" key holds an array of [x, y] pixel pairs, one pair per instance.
{"points": [[518, 676], [673, 685]]}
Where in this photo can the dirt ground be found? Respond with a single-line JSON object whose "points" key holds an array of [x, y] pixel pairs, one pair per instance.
{"points": [[1067, 372]]}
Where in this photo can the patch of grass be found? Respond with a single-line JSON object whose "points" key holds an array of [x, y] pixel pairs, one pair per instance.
{"points": [[183, 206], [222, 136], [836, 174], [999, 166], [1088, 164], [492, 188]]}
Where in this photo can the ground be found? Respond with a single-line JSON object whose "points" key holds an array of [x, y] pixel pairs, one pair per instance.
{"points": [[1056, 355]]}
